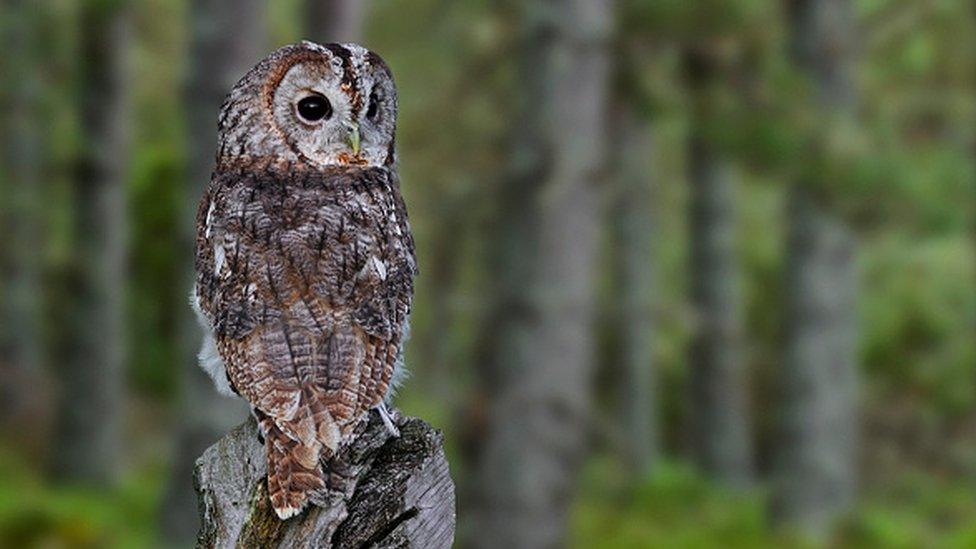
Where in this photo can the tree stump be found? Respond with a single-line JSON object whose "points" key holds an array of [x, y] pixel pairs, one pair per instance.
{"points": [[383, 491]]}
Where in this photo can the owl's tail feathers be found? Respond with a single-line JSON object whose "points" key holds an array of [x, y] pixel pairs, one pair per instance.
{"points": [[294, 472], [327, 430]]}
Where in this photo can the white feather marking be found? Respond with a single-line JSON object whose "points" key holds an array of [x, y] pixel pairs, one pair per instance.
{"points": [[400, 372], [287, 512], [195, 305], [219, 258], [395, 222], [380, 267], [387, 419], [208, 356], [207, 223], [211, 363]]}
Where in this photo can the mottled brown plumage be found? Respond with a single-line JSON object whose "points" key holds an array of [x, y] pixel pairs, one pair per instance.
{"points": [[305, 260]]}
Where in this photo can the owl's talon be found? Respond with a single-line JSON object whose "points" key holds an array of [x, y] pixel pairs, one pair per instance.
{"points": [[387, 420]]}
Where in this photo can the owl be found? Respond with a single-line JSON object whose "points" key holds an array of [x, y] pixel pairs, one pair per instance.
{"points": [[304, 257]]}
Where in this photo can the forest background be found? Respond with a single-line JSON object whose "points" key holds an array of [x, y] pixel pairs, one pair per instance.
{"points": [[692, 273]]}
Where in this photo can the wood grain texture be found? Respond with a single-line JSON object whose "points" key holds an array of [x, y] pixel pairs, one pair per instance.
{"points": [[382, 491]]}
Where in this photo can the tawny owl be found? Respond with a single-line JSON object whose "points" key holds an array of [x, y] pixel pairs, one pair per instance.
{"points": [[304, 258]]}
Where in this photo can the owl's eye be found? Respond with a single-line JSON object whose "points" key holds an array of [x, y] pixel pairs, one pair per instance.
{"points": [[374, 104], [314, 108]]}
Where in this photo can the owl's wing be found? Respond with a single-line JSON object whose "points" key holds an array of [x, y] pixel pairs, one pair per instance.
{"points": [[237, 271], [385, 289]]}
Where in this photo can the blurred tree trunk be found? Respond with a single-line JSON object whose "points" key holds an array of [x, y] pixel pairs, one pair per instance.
{"points": [[335, 20], [227, 38], [539, 388], [817, 456], [719, 400], [88, 446], [21, 357], [632, 229]]}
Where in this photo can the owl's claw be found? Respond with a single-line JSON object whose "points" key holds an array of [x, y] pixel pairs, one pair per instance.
{"points": [[387, 419]]}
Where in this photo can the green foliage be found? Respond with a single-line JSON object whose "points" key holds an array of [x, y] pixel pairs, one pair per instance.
{"points": [[916, 511], [672, 507], [156, 196], [155, 200], [918, 303], [34, 514], [691, 20], [676, 507]]}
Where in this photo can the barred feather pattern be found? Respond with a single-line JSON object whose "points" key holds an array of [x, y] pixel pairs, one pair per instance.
{"points": [[306, 278]]}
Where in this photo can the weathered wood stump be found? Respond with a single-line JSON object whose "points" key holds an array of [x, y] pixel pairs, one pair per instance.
{"points": [[384, 491]]}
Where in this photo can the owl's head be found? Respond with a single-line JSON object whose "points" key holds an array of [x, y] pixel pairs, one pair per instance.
{"points": [[325, 105]]}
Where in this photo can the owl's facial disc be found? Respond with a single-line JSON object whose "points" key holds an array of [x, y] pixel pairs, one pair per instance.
{"points": [[341, 111], [313, 113]]}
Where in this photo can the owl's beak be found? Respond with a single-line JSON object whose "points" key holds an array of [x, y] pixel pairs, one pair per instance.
{"points": [[354, 137]]}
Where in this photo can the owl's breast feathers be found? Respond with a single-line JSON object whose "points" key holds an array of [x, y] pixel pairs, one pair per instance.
{"points": [[306, 279]]}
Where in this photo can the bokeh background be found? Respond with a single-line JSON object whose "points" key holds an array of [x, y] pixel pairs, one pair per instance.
{"points": [[693, 273]]}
